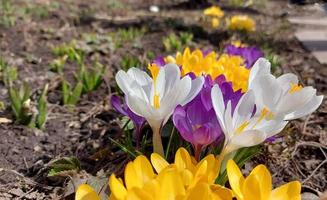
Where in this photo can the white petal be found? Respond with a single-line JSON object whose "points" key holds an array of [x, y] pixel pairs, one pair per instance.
{"points": [[228, 121], [161, 82], [271, 127], [174, 97], [310, 107], [123, 81], [294, 101], [218, 104], [244, 109], [140, 107], [141, 77], [285, 81], [247, 139], [267, 91], [172, 75], [195, 89], [260, 67]]}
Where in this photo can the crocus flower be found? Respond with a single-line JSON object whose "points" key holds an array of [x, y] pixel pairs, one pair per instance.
{"points": [[281, 97], [208, 63], [156, 98], [241, 23], [214, 11], [249, 54], [258, 185], [123, 109], [243, 128], [197, 122], [183, 180]]}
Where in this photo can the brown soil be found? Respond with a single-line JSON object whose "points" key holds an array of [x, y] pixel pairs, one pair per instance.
{"points": [[84, 130]]}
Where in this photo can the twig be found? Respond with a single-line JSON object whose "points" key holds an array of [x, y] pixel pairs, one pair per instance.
{"points": [[26, 193], [314, 171]]}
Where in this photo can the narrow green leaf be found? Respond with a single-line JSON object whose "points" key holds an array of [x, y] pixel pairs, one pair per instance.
{"points": [[76, 94], [42, 108]]}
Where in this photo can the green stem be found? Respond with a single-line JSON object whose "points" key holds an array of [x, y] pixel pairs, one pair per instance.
{"points": [[156, 139], [169, 142]]}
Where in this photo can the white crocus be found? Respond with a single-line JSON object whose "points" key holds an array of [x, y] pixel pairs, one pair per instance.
{"points": [[156, 98], [281, 97], [241, 127]]}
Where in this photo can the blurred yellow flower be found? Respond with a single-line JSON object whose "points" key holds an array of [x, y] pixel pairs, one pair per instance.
{"points": [[258, 185], [215, 22], [185, 179], [214, 11], [238, 43], [241, 23], [198, 63]]}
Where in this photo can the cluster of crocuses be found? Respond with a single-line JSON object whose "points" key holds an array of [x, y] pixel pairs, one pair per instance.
{"points": [[187, 179], [231, 99], [242, 23]]}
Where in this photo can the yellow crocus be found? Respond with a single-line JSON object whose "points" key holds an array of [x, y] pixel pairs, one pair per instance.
{"points": [[258, 185], [185, 179], [214, 11], [241, 23], [234, 70], [195, 61], [232, 67]]}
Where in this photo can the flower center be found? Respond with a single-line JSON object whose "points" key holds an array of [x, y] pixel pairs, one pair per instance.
{"points": [[294, 88], [154, 69]]}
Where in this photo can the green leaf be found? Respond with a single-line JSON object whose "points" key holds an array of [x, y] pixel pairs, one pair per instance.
{"points": [[42, 108], [241, 157], [58, 166], [76, 94], [15, 102], [65, 88]]}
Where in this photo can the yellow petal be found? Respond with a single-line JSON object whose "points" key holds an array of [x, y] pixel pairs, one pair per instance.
{"points": [[158, 162], [143, 168], [186, 176], [235, 178], [138, 194], [264, 178], [131, 177], [212, 168], [220, 192], [171, 184], [251, 188], [200, 191], [86, 192], [117, 188], [183, 159], [289, 191]]}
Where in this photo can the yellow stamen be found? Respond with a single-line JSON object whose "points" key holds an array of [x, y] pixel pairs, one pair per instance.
{"points": [[154, 69], [242, 127], [265, 113], [156, 101], [294, 88]]}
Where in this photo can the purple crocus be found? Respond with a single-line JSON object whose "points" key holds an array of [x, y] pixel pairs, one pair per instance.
{"points": [[250, 54], [122, 108], [159, 61], [197, 121]]}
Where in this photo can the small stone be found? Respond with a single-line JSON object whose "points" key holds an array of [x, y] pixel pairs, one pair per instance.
{"points": [[309, 196], [154, 9], [37, 148]]}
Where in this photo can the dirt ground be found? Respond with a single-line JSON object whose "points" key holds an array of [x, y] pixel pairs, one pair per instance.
{"points": [[84, 131]]}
